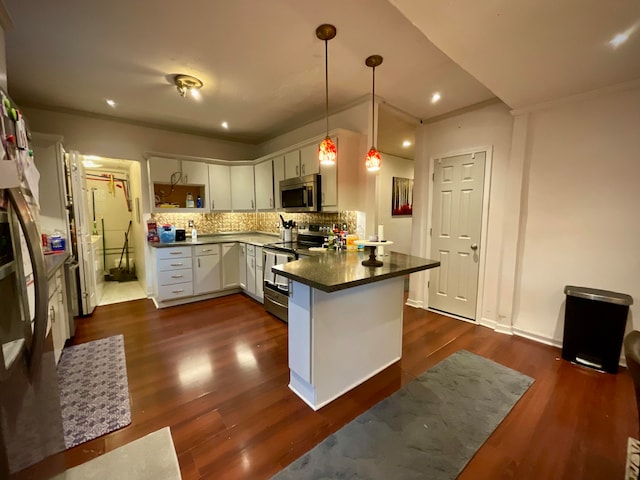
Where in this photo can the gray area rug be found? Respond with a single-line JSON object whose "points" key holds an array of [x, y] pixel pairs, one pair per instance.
{"points": [[94, 391], [429, 429], [149, 458]]}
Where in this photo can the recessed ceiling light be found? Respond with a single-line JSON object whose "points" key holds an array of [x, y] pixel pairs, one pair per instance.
{"points": [[620, 38], [111, 103], [435, 97], [225, 125], [406, 143]]}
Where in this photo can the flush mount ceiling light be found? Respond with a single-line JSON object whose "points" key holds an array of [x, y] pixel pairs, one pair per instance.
{"points": [[373, 160], [188, 84], [327, 151]]}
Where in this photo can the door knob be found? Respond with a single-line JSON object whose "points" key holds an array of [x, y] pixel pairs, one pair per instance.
{"points": [[474, 246]]}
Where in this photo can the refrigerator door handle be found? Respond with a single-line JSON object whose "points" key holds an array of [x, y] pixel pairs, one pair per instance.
{"points": [[32, 236]]}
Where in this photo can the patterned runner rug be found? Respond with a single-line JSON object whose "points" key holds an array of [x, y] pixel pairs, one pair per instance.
{"points": [[430, 428], [94, 391]]}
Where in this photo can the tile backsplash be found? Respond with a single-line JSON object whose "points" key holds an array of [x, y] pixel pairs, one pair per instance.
{"points": [[253, 222]]}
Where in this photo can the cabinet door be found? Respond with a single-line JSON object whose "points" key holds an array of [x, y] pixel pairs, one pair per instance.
{"points": [[292, 164], [219, 187], [230, 270], [207, 272], [309, 162], [264, 185], [242, 188], [278, 174], [259, 274], [161, 169], [251, 269], [329, 180], [242, 266]]}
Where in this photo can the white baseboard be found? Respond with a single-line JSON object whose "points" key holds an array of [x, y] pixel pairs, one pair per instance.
{"points": [[537, 338], [487, 322], [414, 303], [504, 328]]}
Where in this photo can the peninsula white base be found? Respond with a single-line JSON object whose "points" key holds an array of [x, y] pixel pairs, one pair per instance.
{"points": [[340, 339]]}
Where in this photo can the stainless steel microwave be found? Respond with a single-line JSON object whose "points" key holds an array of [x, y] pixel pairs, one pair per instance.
{"points": [[301, 194]]}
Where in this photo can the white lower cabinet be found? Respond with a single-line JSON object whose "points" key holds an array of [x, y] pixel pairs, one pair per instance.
{"points": [[259, 274], [174, 273], [242, 266], [206, 269], [251, 269], [58, 320], [230, 268]]}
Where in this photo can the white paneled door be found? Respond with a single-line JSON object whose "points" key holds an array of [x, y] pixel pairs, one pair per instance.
{"points": [[458, 184]]}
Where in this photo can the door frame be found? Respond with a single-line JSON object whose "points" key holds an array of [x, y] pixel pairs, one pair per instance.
{"points": [[488, 151]]}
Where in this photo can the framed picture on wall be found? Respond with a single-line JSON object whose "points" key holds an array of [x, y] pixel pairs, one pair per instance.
{"points": [[402, 197]]}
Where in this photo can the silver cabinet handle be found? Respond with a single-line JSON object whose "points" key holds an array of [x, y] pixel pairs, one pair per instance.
{"points": [[198, 263], [53, 314], [213, 204], [303, 169], [474, 246], [176, 264], [177, 276], [270, 202], [206, 250], [175, 253], [177, 291], [297, 170], [252, 203]]}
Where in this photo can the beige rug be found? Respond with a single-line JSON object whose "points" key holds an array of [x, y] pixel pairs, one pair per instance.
{"points": [[149, 458], [633, 459]]}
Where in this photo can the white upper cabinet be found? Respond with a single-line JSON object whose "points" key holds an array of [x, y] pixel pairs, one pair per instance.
{"points": [[194, 173], [161, 169], [309, 163], [242, 188], [220, 187], [303, 161], [292, 164], [278, 174], [265, 199]]}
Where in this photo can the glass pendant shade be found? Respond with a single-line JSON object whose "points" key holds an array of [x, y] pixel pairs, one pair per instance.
{"points": [[373, 160], [327, 152]]}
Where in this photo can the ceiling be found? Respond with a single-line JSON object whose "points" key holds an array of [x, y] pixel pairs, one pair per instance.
{"points": [[263, 67], [533, 51], [260, 61]]}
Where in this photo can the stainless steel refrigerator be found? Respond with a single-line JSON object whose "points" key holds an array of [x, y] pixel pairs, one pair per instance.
{"points": [[30, 415]]}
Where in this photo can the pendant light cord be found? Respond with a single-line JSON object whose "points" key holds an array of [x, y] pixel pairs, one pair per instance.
{"points": [[326, 81], [373, 106]]}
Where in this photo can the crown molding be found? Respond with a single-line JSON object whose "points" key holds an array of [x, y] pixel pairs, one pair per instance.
{"points": [[460, 111], [578, 97]]}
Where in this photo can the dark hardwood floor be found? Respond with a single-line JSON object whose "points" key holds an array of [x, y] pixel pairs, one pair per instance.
{"points": [[216, 373]]}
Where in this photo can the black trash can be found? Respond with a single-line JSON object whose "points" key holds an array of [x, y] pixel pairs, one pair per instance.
{"points": [[594, 323]]}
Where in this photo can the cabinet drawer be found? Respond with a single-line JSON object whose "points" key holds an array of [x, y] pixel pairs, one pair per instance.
{"points": [[212, 249], [174, 264], [173, 252], [179, 290], [170, 277]]}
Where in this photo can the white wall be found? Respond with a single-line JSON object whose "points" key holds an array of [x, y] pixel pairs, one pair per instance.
{"points": [[582, 223], [397, 229], [490, 126], [575, 193], [115, 139], [3, 53]]}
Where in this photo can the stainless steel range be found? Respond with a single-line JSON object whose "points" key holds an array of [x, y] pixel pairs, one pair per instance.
{"points": [[276, 287]]}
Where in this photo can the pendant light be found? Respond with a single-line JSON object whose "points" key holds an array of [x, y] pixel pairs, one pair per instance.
{"points": [[327, 150], [373, 160]]}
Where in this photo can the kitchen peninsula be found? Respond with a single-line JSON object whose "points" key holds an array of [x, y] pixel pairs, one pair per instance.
{"points": [[345, 320]]}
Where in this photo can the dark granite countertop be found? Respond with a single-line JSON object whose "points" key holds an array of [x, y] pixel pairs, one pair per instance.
{"points": [[253, 238], [54, 261], [332, 271]]}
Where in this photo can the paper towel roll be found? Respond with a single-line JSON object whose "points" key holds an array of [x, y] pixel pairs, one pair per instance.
{"points": [[380, 252]]}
